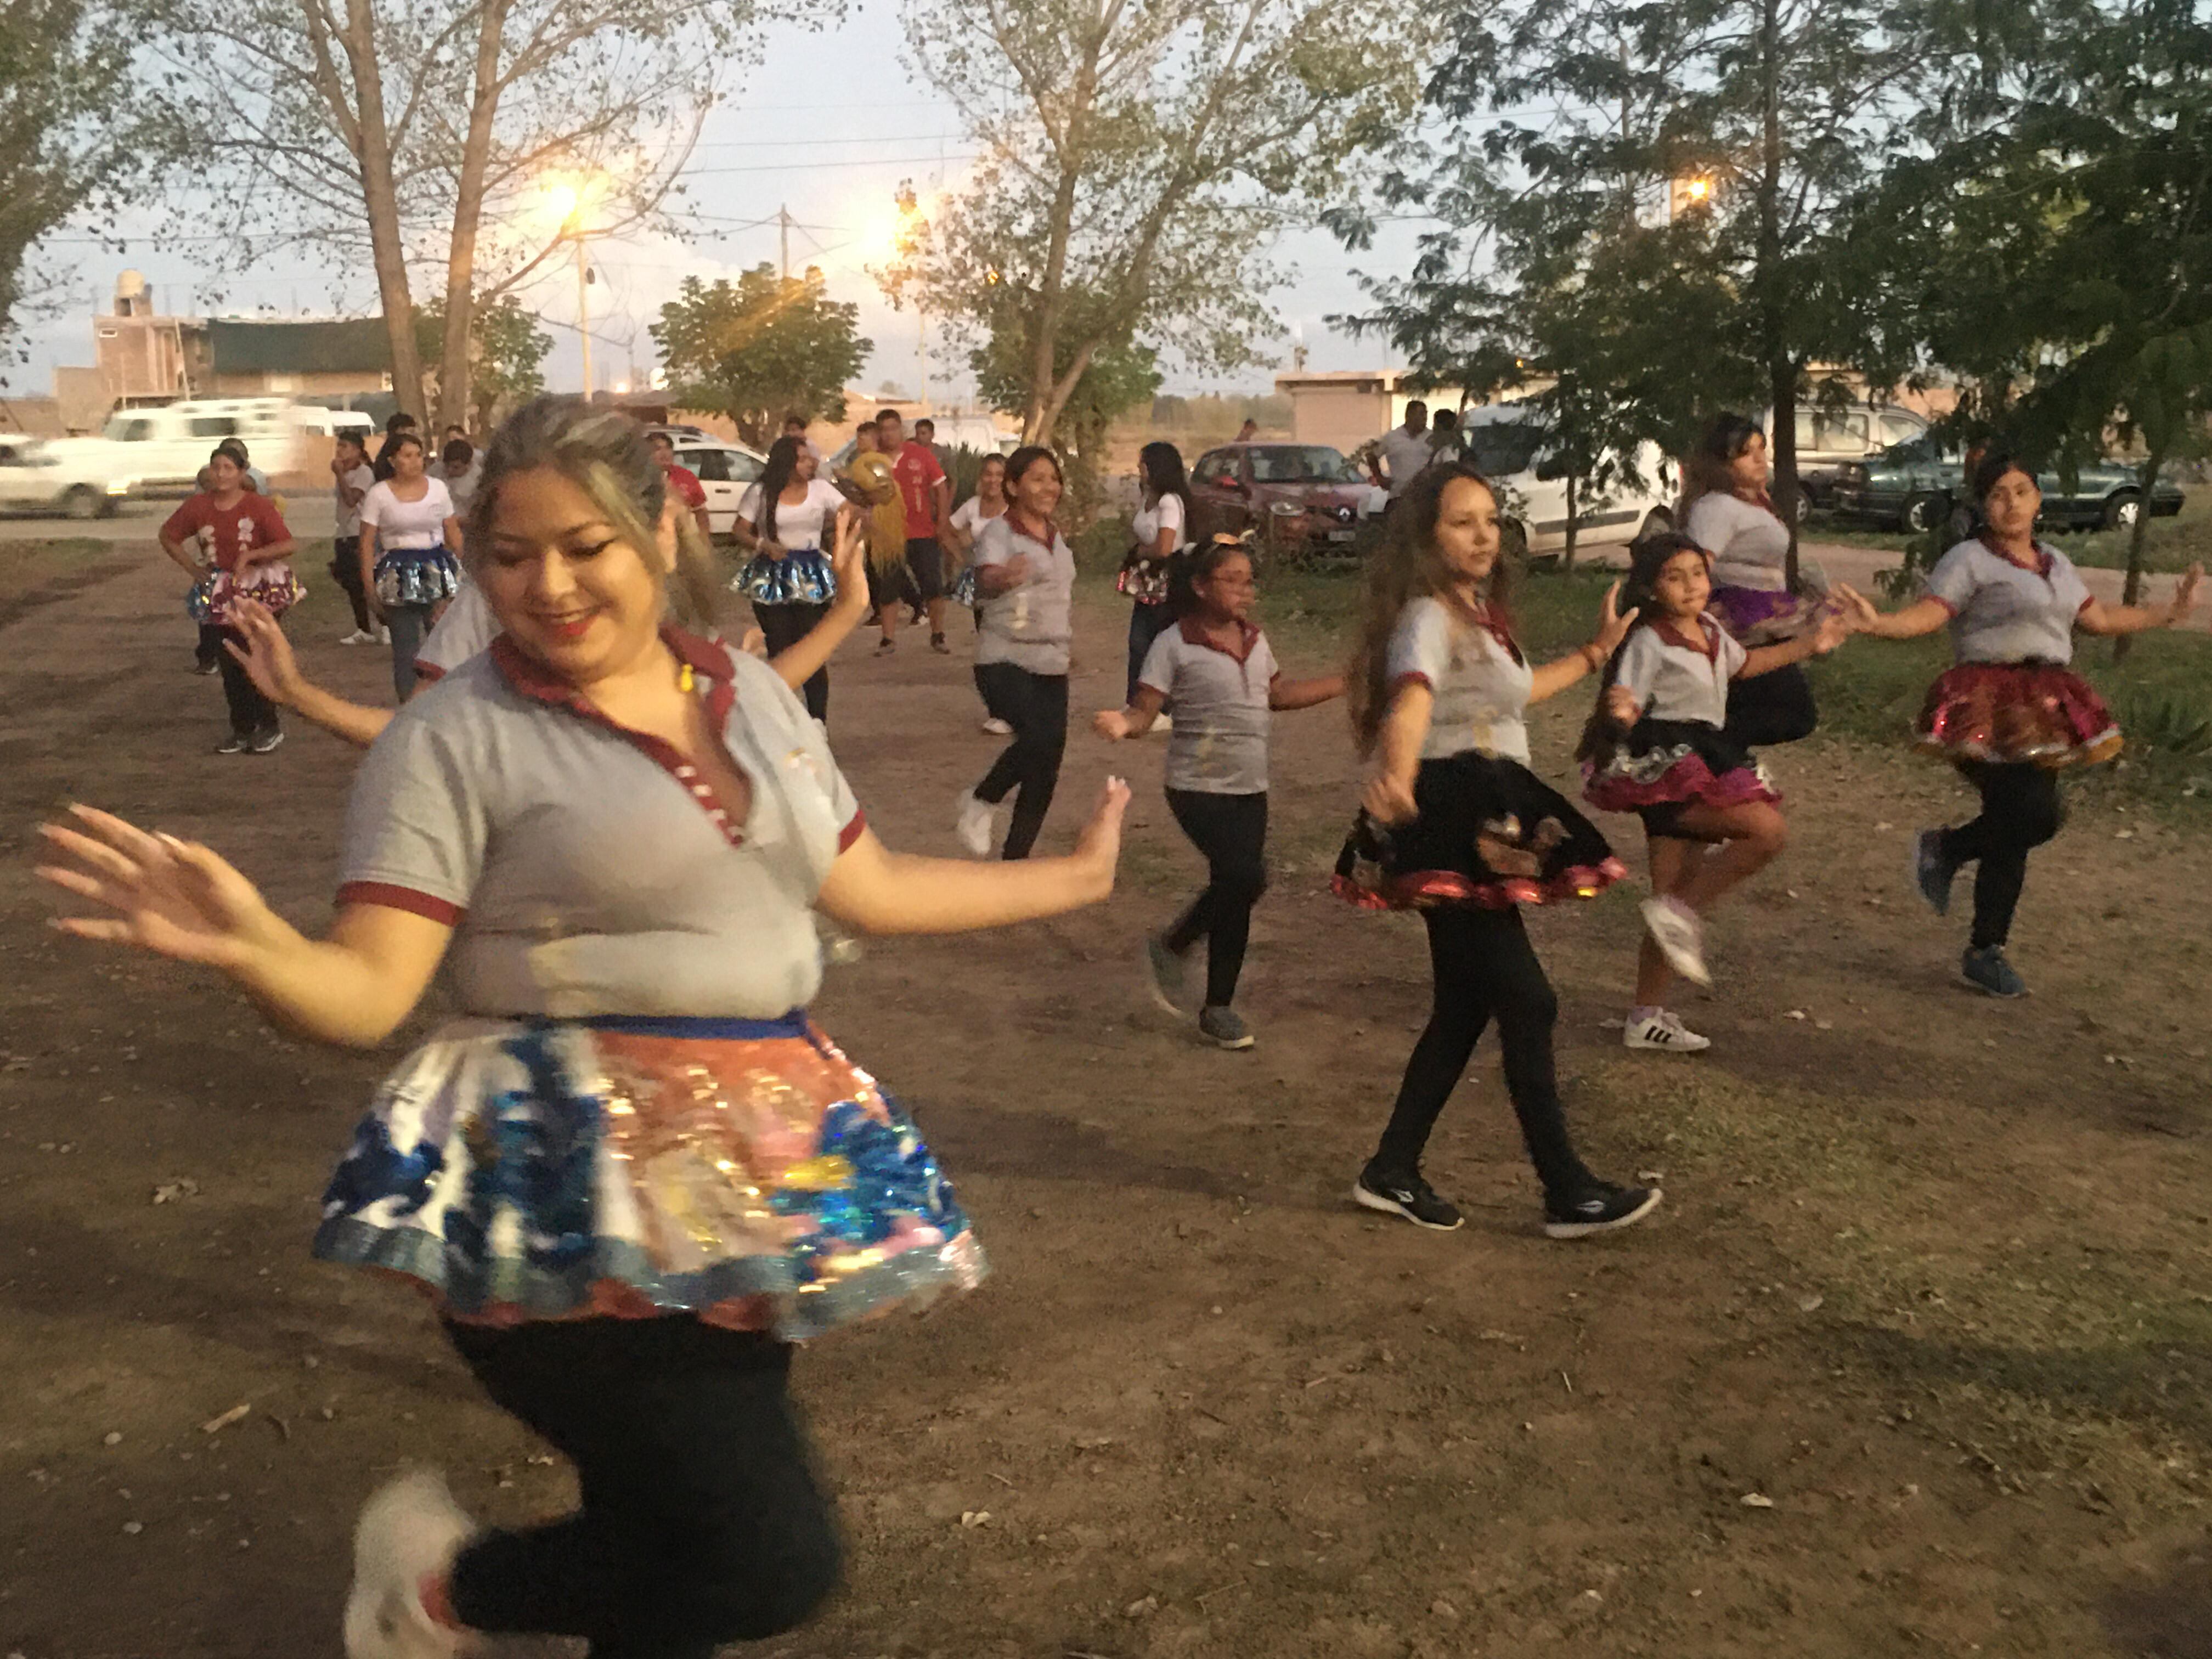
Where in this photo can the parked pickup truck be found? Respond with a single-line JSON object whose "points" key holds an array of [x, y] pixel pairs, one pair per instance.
{"points": [[1911, 486]]}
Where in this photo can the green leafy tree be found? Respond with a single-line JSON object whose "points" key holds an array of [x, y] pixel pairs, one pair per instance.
{"points": [[1139, 157], [506, 354], [760, 348], [78, 125]]}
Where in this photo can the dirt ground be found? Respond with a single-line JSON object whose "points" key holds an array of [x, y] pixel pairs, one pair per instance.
{"points": [[1913, 1361]]}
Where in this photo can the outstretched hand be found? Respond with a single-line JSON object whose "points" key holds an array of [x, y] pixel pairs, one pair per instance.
{"points": [[1111, 723], [848, 556], [1622, 707], [1100, 843], [1613, 627], [172, 897], [1389, 799], [1858, 612], [1835, 628], [267, 656], [2184, 595]]}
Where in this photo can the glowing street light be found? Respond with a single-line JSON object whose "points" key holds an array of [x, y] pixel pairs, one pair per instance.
{"points": [[1692, 194]]}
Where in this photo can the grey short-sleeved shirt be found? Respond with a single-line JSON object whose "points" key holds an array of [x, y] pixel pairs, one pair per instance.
{"points": [[1677, 681], [2001, 613], [1480, 688], [1031, 624], [586, 869], [465, 627], [1750, 546], [1219, 743]]}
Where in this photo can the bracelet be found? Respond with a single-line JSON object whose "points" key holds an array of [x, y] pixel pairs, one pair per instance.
{"points": [[1593, 658]]}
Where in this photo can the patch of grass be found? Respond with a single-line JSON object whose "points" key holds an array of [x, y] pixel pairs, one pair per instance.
{"points": [[31, 564]]}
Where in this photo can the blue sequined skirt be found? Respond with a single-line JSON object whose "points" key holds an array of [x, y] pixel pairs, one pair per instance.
{"points": [[801, 577], [963, 588], [410, 575], [741, 1170]]}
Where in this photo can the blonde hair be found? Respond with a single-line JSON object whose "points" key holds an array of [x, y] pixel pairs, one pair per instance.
{"points": [[607, 455]]}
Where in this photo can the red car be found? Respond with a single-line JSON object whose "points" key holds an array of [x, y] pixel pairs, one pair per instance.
{"points": [[1299, 497]]}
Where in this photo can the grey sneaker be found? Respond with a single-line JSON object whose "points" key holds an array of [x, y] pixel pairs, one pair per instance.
{"points": [[262, 743], [235, 744], [1932, 873], [1165, 973], [1224, 1028], [1987, 971]]}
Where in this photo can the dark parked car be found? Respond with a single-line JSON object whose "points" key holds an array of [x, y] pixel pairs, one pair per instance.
{"points": [[1912, 486], [1298, 496]]}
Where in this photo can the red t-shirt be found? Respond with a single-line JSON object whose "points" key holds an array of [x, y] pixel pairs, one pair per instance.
{"points": [[254, 522], [685, 483], [918, 475]]}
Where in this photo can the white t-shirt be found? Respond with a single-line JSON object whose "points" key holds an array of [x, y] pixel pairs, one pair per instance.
{"points": [[1750, 546], [805, 526], [1166, 513], [1674, 681], [462, 485], [1480, 689], [363, 478], [969, 516], [408, 525], [1406, 456]]}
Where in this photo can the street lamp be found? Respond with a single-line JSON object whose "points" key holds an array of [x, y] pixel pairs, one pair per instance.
{"points": [[1691, 194], [568, 198]]}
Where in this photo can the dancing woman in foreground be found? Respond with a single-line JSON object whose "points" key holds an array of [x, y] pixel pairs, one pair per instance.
{"points": [[632, 1172]]}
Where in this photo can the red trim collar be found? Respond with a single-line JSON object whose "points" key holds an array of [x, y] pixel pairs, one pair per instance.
{"points": [[1707, 644], [1248, 636], [2045, 561]]}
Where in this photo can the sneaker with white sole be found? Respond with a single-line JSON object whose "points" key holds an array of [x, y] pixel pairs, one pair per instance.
{"points": [[235, 744], [1404, 1193], [997, 727], [408, 1531], [263, 742], [1664, 1030], [973, 826], [359, 636], [1675, 929], [1224, 1027], [1167, 976], [1163, 723], [1603, 1208]]}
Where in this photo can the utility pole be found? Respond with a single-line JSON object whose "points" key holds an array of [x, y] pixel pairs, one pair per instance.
{"points": [[584, 308], [921, 354], [783, 233]]}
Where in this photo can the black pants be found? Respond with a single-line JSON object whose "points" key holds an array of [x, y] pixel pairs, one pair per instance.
{"points": [[1772, 708], [1485, 966], [2020, 811], [1146, 623], [1036, 706], [251, 713], [345, 571], [784, 625], [1231, 831], [701, 1521]]}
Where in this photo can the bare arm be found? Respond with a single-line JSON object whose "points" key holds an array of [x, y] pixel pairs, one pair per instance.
{"points": [[369, 568], [800, 662], [175, 549], [875, 890], [1133, 721], [1921, 617], [269, 663], [1283, 694], [1557, 676], [996, 579], [2098, 618], [178, 899], [1818, 642], [1389, 793], [452, 532]]}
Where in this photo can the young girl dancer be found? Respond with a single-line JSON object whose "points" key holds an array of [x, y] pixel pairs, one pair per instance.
{"points": [[1455, 826], [789, 518], [632, 1173], [234, 544], [2011, 714], [1727, 511], [409, 541], [1218, 669], [965, 526], [1162, 531], [1026, 574], [1655, 747]]}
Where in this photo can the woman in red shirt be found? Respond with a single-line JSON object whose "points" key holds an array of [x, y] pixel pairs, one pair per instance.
{"points": [[233, 542]]}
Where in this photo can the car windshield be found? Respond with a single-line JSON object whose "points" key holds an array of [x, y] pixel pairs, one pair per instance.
{"points": [[1300, 464], [1500, 449], [1916, 449]]}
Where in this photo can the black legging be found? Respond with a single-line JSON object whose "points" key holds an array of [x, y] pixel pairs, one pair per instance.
{"points": [[1484, 966], [784, 625], [1231, 831], [1036, 706], [2020, 811], [251, 714], [1146, 623], [1776, 706], [700, 1523]]}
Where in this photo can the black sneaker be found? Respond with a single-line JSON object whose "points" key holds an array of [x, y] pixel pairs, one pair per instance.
{"points": [[1987, 972], [205, 666], [1404, 1193], [234, 744], [1603, 1208], [262, 743]]}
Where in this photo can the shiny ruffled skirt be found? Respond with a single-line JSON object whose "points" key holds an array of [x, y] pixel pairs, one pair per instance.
{"points": [[273, 586], [801, 577], [428, 575], [1675, 764], [963, 588], [1486, 831], [744, 1171], [2009, 712]]}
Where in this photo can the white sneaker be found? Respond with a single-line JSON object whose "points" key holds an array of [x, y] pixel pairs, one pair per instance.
{"points": [[1663, 1031], [1163, 723], [1674, 929], [973, 826], [997, 727], [410, 1528], [383, 634], [359, 636]]}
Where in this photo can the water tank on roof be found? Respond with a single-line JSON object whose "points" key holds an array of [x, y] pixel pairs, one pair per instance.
{"points": [[132, 298]]}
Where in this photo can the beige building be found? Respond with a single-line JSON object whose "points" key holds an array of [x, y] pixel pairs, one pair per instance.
{"points": [[1348, 407], [144, 357]]}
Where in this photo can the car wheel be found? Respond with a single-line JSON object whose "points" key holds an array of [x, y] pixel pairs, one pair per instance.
{"points": [[1804, 507], [2121, 509], [1921, 514], [1657, 522], [83, 503]]}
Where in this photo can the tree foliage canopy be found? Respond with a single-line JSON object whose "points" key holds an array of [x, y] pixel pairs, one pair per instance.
{"points": [[760, 348]]}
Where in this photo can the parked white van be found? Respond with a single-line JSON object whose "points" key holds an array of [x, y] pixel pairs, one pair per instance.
{"points": [[160, 452], [1507, 442]]}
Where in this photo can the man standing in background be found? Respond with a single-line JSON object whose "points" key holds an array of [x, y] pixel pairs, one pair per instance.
{"points": [[1404, 452], [927, 494]]}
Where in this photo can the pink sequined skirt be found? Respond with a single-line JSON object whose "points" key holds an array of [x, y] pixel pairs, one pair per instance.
{"points": [[2011, 712]]}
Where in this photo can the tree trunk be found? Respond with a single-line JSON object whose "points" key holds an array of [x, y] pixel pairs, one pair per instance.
{"points": [[2138, 549], [1574, 521], [380, 199], [1766, 284], [453, 366]]}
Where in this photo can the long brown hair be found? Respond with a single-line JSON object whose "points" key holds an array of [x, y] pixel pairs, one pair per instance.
{"points": [[1409, 565], [1705, 469], [603, 453]]}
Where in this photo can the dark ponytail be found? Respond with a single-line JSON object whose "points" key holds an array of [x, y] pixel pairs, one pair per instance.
{"points": [[1187, 570], [1647, 556]]}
